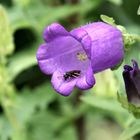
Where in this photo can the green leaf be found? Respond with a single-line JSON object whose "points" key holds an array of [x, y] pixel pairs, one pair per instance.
{"points": [[30, 17], [6, 39], [5, 128], [21, 61], [41, 126], [26, 106], [38, 119], [108, 19], [107, 104], [29, 100], [130, 131], [19, 20], [46, 125]]}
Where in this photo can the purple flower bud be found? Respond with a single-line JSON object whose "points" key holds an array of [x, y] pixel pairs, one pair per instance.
{"points": [[131, 77], [72, 57]]}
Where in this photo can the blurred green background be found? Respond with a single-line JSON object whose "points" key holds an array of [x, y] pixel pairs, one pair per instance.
{"points": [[29, 107]]}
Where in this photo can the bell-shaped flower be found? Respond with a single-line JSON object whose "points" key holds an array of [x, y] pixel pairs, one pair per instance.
{"points": [[73, 57], [131, 77]]}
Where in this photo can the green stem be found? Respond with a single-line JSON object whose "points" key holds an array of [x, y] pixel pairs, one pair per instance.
{"points": [[80, 121]]}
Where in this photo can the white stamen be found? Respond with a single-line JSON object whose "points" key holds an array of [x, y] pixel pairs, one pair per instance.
{"points": [[81, 56]]}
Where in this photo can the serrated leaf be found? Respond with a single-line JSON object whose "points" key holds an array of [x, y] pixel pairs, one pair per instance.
{"points": [[6, 39], [130, 131], [108, 104]]}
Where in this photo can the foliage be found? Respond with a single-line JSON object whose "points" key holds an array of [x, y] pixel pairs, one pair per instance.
{"points": [[29, 107]]}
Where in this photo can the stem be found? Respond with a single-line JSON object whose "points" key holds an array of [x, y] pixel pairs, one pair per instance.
{"points": [[80, 126], [75, 17], [80, 122]]}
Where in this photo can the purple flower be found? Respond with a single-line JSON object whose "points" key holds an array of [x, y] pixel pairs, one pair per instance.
{"points": [[131, 77], [72, 57]]}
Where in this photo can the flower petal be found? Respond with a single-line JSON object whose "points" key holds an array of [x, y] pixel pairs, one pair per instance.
{"points": [[83, 37], [86, 81], [135, 65], [53, 31], [127, 68], [60, 85], [56, 53], [47, 65], [131, 89], [135, 76], [107, 45], [110, 51]]}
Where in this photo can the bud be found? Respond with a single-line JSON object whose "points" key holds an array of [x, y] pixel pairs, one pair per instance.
{"points": [[131, 76]]}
